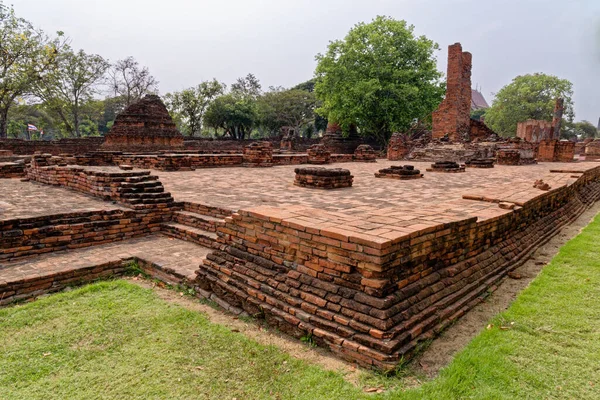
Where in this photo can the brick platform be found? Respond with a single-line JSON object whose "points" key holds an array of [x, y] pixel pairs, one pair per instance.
{"points": [[323, 178], [372, 297], [404, 172], [171, 261], [446, 167]]}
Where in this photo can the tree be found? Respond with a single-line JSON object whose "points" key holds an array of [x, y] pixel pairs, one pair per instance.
{"points": [[294, 108], [72, 84], [189, 105], [236, 115], [130, 81], [26, 54], [477, 114], [379, 78], [531, 96], [248, 87], [578, 130]]}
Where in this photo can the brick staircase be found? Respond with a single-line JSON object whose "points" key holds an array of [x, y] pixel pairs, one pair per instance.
{"points": [[193, 226]]}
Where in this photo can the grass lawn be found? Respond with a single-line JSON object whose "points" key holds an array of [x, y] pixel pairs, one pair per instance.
{"points": [[118, 340]]}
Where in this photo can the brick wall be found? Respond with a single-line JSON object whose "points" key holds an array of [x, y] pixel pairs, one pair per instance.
{"points": [[54, 147], [534, 130]]}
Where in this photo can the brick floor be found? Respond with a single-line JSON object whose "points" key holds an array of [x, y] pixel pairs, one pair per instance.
{"points": [[170, 254], [378, 208], [29, 199]]}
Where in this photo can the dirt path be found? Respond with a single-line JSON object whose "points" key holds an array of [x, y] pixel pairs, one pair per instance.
{"points": [[436, 356]]}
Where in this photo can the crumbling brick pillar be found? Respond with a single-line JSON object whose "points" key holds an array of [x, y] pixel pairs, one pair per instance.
{"points": [[397, 148], [452, 117], [559, 108], [259, 154]]}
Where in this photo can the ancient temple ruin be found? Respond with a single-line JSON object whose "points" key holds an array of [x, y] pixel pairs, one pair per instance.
{"points": [[452, 118], [144, 126]]}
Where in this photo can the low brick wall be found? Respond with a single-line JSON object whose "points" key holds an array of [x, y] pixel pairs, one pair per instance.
{"points": [[31, 236], [54, 147], [12, 170], [373, 302]]}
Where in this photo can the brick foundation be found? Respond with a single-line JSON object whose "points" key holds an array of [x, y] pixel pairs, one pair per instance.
{"points": [[373, 302], [446, 166], [397, 148], [258, 155], [323, 178], [12, 170], [318, 154], [404, 172], [365, 153]]}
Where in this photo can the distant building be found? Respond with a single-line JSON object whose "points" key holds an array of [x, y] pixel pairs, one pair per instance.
{"points": [[477, 100]]}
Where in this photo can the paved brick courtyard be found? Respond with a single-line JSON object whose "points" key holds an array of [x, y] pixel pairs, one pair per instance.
{"points": [[374, 207]]}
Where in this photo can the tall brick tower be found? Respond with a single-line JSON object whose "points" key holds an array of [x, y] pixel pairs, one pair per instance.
{"points": [[453, 116]]}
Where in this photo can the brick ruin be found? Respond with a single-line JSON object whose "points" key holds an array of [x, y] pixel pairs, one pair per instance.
{"points": [[318, 154], [401, 172], [480, 163], [335, 141], [534, 130], [259, 154], [323, 178], [365, 153], [592, 150], [144, 126], [397, 147], [452, 118], [446, 166]]}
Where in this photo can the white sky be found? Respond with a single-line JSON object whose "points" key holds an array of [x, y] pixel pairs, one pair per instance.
{"points": [[184, 41]]}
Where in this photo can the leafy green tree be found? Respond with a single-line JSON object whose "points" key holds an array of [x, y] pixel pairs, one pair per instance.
{"points": [[294, 108], [477, 114], [531, 96], [581, 130], [236, 115], [379, 78], [26, 54], [188, 106], [72, 84], [130, 81], [23, 114]]}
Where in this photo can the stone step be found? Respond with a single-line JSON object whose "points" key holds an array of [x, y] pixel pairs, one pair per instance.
{"points": [[196, 220], [190, 234]]}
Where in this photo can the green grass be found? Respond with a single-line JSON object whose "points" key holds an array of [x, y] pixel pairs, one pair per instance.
{"points": [[118, 340]]}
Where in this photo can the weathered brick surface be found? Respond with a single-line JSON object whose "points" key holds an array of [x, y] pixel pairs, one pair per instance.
{"points": [[534, 130], [258, 154], [446, 166], [452, 118], [397, 148], [144, 126], [373, 301], [365, 153], [137, 189], [323, 178], [12, 170], [54, 147], [403, 172], [318, 154], [556, 151], [592, 150]]}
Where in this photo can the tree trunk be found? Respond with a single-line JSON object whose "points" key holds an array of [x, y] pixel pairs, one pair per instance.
{"points": [[3, 123]]}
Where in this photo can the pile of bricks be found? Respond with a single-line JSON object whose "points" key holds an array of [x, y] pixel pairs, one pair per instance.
{"points": [[480, 163], [12, 170], [508, 157], [323, 178], [258, 154], [373, 302], [365, 153], [403, 172], [397, 148], [446, 166], [318, 154]]}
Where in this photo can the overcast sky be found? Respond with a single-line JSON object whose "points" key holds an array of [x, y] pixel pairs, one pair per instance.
{"points": [[183, 42]]}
